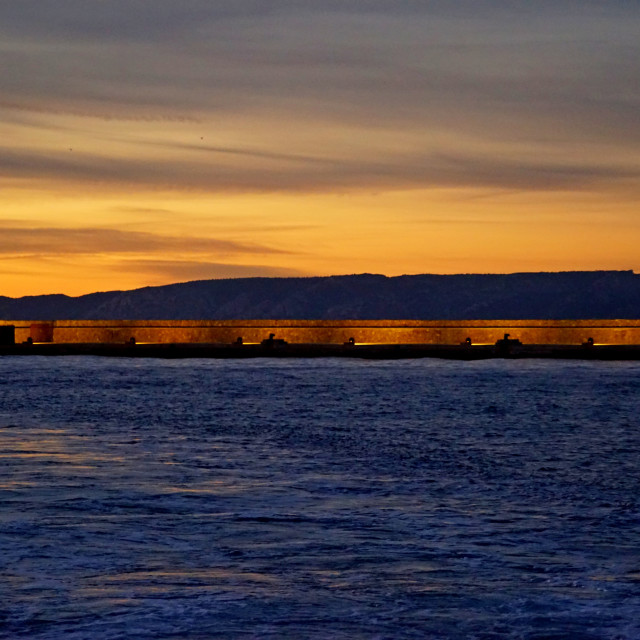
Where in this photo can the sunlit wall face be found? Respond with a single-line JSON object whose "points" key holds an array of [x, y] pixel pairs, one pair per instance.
{"points": [[154, 142]]}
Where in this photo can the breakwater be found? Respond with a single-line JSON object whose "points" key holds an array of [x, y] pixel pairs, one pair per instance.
{"points": [[503, 349], [329, 332]]}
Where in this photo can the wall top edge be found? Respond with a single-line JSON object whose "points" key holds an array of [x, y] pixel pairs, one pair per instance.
{"points": [[495, 323]]}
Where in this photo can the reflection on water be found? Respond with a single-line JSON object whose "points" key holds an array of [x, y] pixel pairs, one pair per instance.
{"points": [[319, 499]]}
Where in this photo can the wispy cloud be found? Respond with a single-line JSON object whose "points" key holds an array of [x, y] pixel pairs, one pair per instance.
{"points": [[397, 170], [184, 270], [495, 68], [159, 114], [16, 241], [301, 96]]}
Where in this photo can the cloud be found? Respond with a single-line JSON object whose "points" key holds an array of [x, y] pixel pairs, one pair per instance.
{"points": [[255, 154], [184, 270], [519, 174], [144, 19], [338, 95], [395, 170], [30, 242], [379, 62]]}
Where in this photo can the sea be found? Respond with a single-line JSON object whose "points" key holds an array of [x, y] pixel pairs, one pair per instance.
{"points": [[319, 498]]}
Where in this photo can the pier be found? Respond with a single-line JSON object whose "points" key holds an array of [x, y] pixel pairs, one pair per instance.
{"points": [[379, 339]]}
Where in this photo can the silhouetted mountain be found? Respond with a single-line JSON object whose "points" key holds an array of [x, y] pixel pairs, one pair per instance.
{"points": [[574, 295]]}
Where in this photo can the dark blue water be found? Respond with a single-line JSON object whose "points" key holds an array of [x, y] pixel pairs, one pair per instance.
{"points": [[319, 499]]}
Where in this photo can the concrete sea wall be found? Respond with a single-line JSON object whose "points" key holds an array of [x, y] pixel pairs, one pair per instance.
{"points": [[567, 332]]}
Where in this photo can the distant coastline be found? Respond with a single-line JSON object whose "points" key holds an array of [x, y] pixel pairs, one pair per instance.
{"points": [[577, 295]]}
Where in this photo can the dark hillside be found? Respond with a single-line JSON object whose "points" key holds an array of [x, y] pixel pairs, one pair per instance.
{"points": [[571, 295]]}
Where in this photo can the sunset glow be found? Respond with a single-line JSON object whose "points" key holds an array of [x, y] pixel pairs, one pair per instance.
{"points": [[147, 143]]}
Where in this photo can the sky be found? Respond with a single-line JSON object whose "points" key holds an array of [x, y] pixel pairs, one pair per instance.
{"points": [[145, 142]]}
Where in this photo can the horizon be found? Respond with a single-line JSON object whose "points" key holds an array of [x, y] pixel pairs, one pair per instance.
{"points": [[160, 142], [335, 275]]}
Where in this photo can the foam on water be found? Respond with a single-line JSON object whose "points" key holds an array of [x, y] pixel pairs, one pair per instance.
{"points": [[319, 499]]}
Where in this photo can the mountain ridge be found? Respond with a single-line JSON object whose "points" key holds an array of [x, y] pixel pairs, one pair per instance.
{"points": [[524, 295]]}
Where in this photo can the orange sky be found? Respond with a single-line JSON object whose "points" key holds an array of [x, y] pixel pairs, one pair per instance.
{"points": [[149, 143]]}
